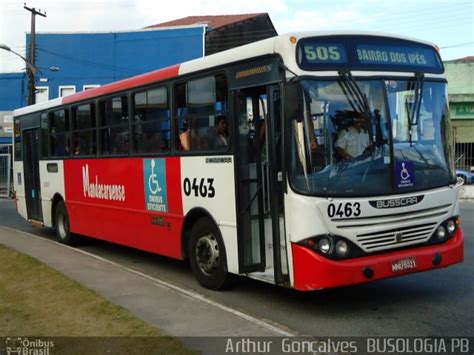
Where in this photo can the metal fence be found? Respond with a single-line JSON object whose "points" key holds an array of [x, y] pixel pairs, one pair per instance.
{"points": [[5, 175], [463, 139], [6, 170]]}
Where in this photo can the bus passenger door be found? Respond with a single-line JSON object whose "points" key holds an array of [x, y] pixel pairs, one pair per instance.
{"points": [[258, 208], [31, 174]]}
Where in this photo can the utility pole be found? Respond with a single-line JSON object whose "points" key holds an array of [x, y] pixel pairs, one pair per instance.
{"points": [[32, 58]]}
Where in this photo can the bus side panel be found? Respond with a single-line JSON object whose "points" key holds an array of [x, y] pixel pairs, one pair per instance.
{"points": [[208, 183], [162, 230], [110, 199], [19, 184], [52, 182]]}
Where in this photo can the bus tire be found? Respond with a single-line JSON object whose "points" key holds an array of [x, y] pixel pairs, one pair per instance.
{"points": [[63, 232], [207, 255]]}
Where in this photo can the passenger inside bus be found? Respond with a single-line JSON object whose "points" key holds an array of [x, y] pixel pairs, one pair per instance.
{"points": [[184, 135], [219, 135]]}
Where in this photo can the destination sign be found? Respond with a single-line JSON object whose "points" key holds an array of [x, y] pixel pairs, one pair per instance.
{"points": [[370, 54], [366, 53]]}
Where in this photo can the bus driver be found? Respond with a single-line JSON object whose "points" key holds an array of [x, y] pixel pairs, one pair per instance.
{"points": [[353, 140]]}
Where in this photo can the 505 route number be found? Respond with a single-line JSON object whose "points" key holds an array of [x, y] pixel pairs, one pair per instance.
{"points": [[201, 187], [344, 209]]}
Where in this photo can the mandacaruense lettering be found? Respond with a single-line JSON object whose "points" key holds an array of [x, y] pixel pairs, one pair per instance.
{"points": [[98, 190]]}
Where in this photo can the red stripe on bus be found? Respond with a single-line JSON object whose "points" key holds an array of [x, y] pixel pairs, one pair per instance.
{"points": [[125, 84], [314, 272], [106, 199]]}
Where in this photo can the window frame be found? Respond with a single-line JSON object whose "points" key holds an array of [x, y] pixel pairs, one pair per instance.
{"points": [[37, 88], [166, 85], [66, 132], [228, 114], [74, 130], [99, 127], [90, 86], [66, 87]]}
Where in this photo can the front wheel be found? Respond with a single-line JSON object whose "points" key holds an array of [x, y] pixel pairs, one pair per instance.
{"points": [[207, 255], [63, 231], [463, 179]]}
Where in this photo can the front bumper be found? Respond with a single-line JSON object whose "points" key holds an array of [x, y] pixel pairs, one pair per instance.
{"points": [[313, 271]]}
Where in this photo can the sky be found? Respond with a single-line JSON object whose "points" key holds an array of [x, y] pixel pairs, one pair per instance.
{"points": [[447, 23]]}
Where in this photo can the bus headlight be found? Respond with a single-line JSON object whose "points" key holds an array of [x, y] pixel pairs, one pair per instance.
{"points": [[441, 233], [332, 247], [451, 227], [342, 248], [446, 230], [325, 245]]}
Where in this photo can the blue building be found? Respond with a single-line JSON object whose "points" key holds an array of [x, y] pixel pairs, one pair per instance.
{"points": [[12, 91], [73, 62], [87, 60]]}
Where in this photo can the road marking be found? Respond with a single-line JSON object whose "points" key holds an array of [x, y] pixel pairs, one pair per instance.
{"points": [[278, 329]]}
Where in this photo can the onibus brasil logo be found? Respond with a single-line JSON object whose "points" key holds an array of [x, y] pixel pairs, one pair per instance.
{"points": [[22, 346]]}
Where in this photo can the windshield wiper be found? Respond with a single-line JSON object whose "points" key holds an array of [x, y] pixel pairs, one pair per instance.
{"points": [[414, 113], [414, 110], [352, 90]]}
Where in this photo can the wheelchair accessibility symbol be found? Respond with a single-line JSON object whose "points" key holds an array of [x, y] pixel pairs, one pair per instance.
{"points": [[405, 174], [153, 183], [154, 172]]}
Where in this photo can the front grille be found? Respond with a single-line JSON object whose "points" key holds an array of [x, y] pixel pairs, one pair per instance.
{"points": [[395, 238]]}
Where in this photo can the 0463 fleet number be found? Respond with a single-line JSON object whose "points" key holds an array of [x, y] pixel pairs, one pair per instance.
{"points": [[347, 209], [201, 187]]}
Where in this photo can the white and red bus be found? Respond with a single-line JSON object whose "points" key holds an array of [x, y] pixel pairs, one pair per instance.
{"points": [[311, 161]]}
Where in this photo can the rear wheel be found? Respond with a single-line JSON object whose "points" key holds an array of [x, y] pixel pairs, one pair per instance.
{"points": [[207, 255], [63, 231]]}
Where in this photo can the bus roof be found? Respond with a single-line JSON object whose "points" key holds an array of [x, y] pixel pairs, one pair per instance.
{"points": [[277, 44]]}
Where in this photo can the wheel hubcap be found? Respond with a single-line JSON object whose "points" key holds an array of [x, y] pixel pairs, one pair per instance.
{"points": [[207, 254], [62, 226]]}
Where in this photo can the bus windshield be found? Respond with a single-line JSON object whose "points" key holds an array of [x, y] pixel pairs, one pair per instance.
{"points": [[368, 137]]}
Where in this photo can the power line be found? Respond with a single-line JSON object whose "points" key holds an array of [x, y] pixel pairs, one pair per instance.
{"points": [[457, 45]]}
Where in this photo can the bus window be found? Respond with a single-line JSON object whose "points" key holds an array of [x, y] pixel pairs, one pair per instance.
{"points": [[59, 139], [83, 134], [44, 152], [151, 121], [114, 126], [201, 112], [17, 142]]}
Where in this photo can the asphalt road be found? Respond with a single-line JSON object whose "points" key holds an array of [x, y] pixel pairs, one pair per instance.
{"points": [[434, 303]]}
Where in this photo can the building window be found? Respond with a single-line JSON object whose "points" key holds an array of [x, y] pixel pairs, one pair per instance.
{"points": [[83, 133], [201, 112], [89, 87], [66, 90], [114, 126], [151, 121], [41, 94]]}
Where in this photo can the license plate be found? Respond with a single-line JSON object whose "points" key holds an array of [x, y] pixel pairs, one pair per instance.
{"points": [[404, 264]]}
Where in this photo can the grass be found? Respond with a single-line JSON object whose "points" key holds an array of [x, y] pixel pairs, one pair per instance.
{"points": [[37, 301]]}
